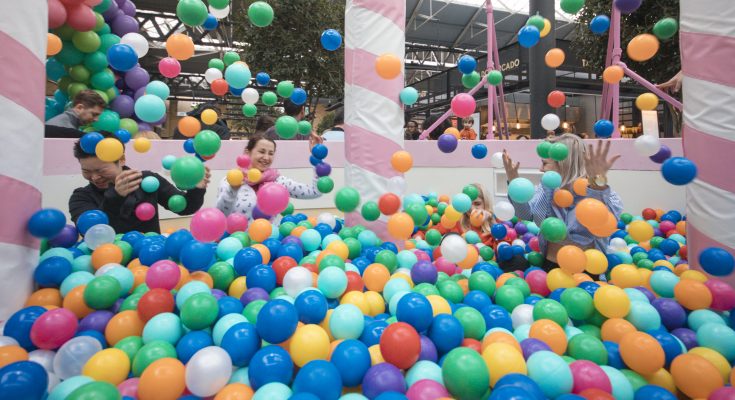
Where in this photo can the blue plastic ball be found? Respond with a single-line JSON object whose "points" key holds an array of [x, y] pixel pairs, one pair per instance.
{"points": [[277, 321], [262, 276], [604, 128], [331, 40], [270, 364], [298, 96], [446, 332], [653, 392], [499, 231], [679, 170], [122, 57], [246, 259], [241, 342], [52, 271], [311, 306], [320, 378], [479, 151], [320, 151], [23, 380], [123, 135], [352, 359], [262, 78], [89, 141], [466, 64], [210, 23], [91, 218], [46, 223], [600, 24], [528, 36], [197, 256], [415, 310], [716, 261], [189, 146], [191, 343]]}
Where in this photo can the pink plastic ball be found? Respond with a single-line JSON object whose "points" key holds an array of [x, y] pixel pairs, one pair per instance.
{"points": [[463, 105], [243, 161], [588, 375], [81, 18], [129, 388], [163, 274], [208, 224], [666, 226], [442, 265], [511, 235], [537, 282], [145, 211], [169, 67], [273, 198], [93, 3], [53, 328], [426, 389], [533, 244], [723, 393], [723, 295], [56, 14], [237, 222], [421, 255]]}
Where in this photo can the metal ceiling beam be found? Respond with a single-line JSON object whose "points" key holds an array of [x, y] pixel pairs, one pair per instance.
{"points": [[414, 13], [468, 26]]}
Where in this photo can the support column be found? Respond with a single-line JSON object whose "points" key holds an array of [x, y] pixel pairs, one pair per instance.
{"points": [[373, 112], [707, 44], [23, 27], [542, 79]]}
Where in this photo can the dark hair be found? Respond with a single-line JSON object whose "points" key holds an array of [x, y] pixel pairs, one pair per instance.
{"points": [[89, 99], [339, 116], [291, 109], [253, 141], [263, 123], [79, 153], [413, 122], [439, 129]]}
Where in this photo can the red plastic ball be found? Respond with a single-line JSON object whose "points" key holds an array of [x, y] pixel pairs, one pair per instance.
{"points": [[281, 266], [400, 345], [154, 302]]}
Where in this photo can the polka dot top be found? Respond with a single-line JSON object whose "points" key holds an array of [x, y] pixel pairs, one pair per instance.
{"points": [[243, 199]]}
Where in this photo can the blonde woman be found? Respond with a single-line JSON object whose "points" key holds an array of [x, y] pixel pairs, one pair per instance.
{"points": [[480, 217], [590, 163]]}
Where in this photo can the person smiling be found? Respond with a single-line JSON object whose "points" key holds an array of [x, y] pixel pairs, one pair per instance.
{"points": [[116, 189], [243, 199]]}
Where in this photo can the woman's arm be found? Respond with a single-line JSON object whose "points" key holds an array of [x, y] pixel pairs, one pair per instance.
{"points": [[226, 197], [299, 190], [539, 208]]}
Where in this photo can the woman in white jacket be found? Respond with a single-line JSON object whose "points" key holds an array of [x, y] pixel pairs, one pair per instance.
{"points": [[243, 199]]}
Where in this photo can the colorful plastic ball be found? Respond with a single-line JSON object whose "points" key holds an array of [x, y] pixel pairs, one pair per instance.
{"points": [[679, 170], [277, 321], [599, 25], [716, 261], [521, 190], [122, 57], [465, 373], [446, 332], [409, 96], [260, 14], [331, 40], [145, 211], [319, 378], [23, 380], [528, 36], [52, 271], [463, 105], [268, 365], [479, 151], [382, 378], [627, 6], [603, 128], [46, 223], [466, 64], [53, 328]]}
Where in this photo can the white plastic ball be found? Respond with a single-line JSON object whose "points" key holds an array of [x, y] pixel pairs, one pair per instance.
{"points": [[647, 145], [496, 160], [137, 42], [550, 122], [522, 315], [454, 248], [250, 96], [504, 210], [296, 280], [212, 74]]}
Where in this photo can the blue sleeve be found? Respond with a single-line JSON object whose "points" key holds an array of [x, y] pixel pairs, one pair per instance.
{"points": [[538, 208]]}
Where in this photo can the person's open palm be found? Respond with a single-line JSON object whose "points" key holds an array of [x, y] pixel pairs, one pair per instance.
{"points": [[511, 169], [314, 139], [205, 181], [673, 85], [596, 161]]}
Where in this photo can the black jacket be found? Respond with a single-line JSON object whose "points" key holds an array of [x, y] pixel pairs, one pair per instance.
{"points": [[121, 210]]}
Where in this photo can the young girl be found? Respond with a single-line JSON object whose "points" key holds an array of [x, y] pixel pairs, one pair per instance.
{"points": [[590, 163], [243, 199]]}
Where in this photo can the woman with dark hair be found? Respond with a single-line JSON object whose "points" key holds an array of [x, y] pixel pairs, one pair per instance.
{"points": [[243, 199]]}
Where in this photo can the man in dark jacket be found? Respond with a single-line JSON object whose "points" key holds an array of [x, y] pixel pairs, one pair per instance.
{"points": [[115, 189], [220, 127]]}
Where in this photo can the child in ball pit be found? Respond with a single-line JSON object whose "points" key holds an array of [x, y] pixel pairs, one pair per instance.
{"points": [[588, 163], [480, 217]]}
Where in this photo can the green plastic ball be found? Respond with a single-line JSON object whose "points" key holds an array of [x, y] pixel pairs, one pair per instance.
{"points": [[207, 143], [469, 81], [102, 292], [471, 191], [370, 211], [222, 275], [347, 199], [108, 121], [187, 172], [588, 347], [325, 184], [483, 282], [219, 4], [537, 21], [558, 151], [578, 303], [542, 149], [285, 89], [665, 28], [388, 259], [304, 128], [216, 63], [550, 309], [86, 42], [151, 352], [130, 346], [252, 309], [199, 311], [487, 253], [249, 110], [472, 322], [465, 374], [450, 290], [260, 14], [94, 390], [509, 297], [95, 62], [495, 78], [269, 99], [571, 6], [287, 126], [192, 12], [289, 210], [79, 73], [554, 229], [230, 58]]}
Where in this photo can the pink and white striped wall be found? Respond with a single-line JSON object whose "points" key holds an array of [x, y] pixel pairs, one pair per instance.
{"points": [[708, 57], [23, 26], [373, 112]]}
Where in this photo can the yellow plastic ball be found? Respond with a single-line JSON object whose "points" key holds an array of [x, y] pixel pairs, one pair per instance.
{"points": [[400, 275], [141, 144], [339, 248], [109, 150], [357, 299], [235, 177], [503, 359], [647, 102], [209, 116], [640, 231], [109, 365], [547, 28], [308, 343], [376, 303], [452, 214], [716, 359], [254, 175], [376, 357], [694, 275], [612, 301], [625, 276], [596, 261], [557, 279], [237, 287], [663, 263], [439, 305]]}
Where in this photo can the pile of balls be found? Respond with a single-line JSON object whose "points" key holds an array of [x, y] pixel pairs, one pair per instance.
{"points": [[311, 309]]}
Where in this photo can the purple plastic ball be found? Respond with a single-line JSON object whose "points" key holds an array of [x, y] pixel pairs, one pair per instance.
{"points": [[124, 24], [111, 12], [292, 240], [116, 307], [382, 378], [253, 294], [664, 153], [424, 272], [428, 350], [123, 105], [687, 336], [672, 314], [447, 143], [137, 78], [627, 6], [143, 127], [95, 321], [218, 294], [257, 214], [531, 345], [323, 169], [139, 93], [129, 9], [657, 232], [520, 228], [648, 293], [66, 238], [120, 2], [527, 237]]}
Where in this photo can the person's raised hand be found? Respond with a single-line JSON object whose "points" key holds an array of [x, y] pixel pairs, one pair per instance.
{"points": [[127, 182], [314, 140], [205, 181], [511, 169], [596, 162], [673, 85]]}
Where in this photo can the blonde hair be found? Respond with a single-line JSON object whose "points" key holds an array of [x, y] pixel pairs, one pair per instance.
{"points": [[148, 135], [487, 206], [572, 167]]}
